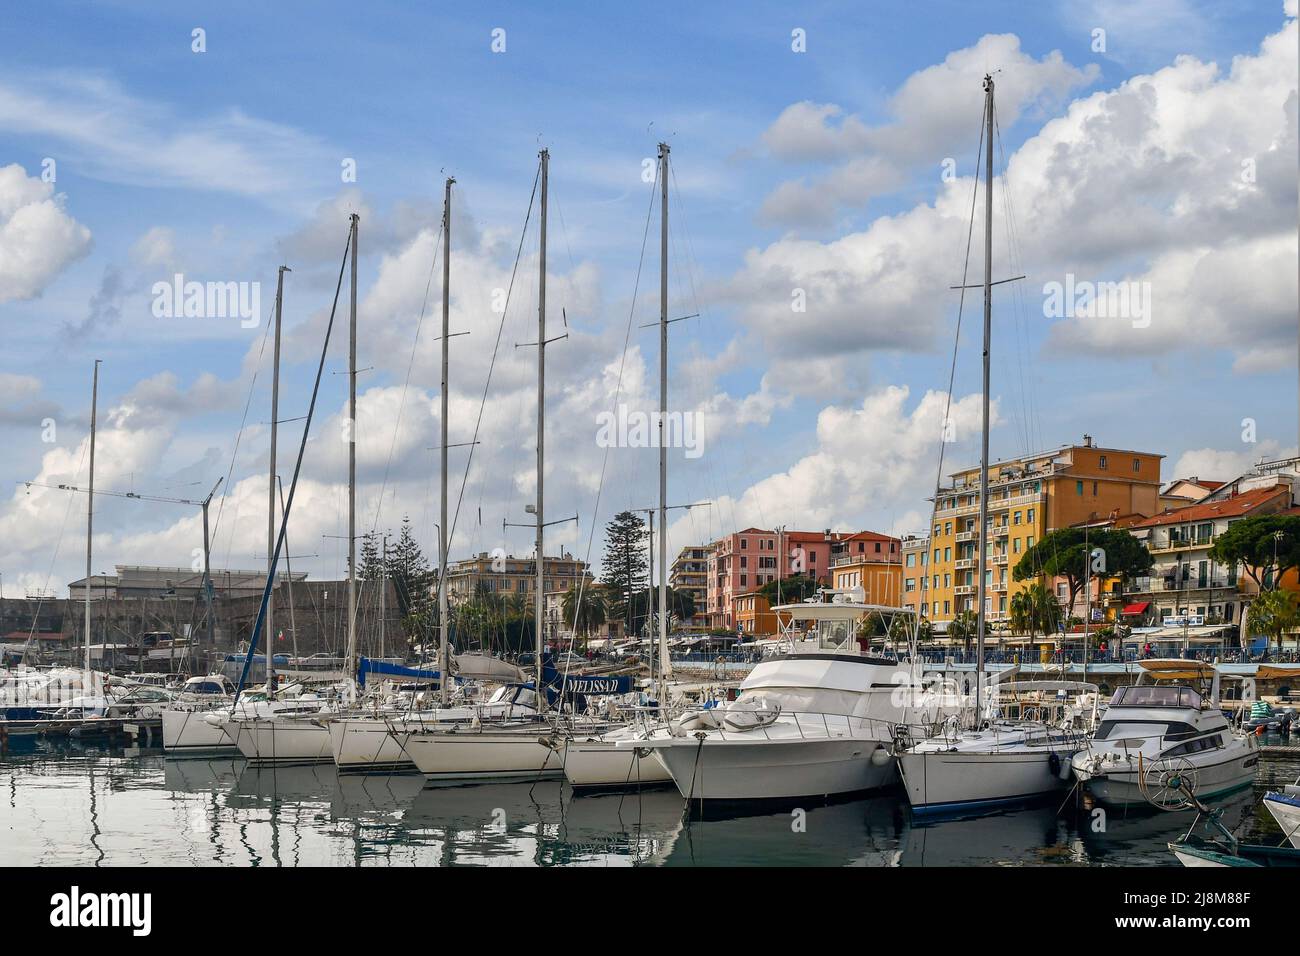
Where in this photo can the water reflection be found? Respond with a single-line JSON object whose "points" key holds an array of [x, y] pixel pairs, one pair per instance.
{"points": [[95, 804]]}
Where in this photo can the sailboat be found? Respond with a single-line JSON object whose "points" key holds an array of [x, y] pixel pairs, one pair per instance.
{"points": [[295, 731], [513, 748]]}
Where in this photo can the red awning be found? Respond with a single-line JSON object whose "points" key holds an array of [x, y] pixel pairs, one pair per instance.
{"points": [[1139, 608]]}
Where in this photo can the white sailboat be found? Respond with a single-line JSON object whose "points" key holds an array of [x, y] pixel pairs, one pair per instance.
{"points": [[517, 749], [290, 733], [996, 761]]}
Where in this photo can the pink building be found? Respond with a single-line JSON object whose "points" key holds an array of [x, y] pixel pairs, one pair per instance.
{"points": [[746, 560]]}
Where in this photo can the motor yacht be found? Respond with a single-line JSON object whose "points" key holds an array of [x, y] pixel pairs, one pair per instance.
{"points": [[817, 721], [1154, 738]]}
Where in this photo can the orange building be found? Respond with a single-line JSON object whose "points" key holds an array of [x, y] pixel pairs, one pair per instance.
{"points": [[754, 616]]}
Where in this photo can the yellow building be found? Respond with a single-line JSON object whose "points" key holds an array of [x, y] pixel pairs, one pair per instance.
{"points": [[916, 578], [1028, 497], [881, 581], [754, 616]]}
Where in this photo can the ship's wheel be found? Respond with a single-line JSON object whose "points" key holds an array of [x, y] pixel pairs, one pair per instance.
{"points": [[1169, 783]]}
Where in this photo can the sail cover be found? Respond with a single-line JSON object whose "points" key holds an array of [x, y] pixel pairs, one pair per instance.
{"points": [[391, 671], [596, 685]]}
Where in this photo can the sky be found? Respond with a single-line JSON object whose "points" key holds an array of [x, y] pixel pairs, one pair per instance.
{"points": [[820, 202]]}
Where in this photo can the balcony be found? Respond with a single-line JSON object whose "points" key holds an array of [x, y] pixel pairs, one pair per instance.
{"points": [[1181, 544], [965, 564], [995, 504], [963, 589], [999, 559], [967, 535]]}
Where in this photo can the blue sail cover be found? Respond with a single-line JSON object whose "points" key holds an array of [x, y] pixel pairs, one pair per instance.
{"points": [[385, 669]]}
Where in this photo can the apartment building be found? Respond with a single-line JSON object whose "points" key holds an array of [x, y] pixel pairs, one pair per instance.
{"points": [[508, 575], [746, 560], [880, 580], [915, 552], [1028, 496], [1185, 581], [690, 574]]}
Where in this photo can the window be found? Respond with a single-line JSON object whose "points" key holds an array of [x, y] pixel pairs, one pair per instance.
{"points": [[1029, 516], [877, 547], [744, 561], [744, 580], [1015, 518], [947, 527], [910, 584], [911, 560], [744, 544], [1015, 545], [1078, 487], [1101, 462], [947, 554], [1029, 542], [812, 557], [1094, 489], [947, 580], [1137, 465], [947, 607]]}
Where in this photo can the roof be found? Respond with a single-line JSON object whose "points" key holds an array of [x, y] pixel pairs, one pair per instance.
{"points": [[1233, 507]]}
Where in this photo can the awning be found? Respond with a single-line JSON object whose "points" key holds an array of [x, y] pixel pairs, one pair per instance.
{"points": [[1140, 607]]}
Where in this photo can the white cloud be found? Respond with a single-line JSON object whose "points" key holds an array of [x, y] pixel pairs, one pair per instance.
{"points": [[38, 239], [931, 119], [122, 138], [1216, 464]]}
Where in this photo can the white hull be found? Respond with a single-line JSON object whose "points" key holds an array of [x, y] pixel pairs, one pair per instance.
{"points": [[484, 755], [938, 781], [281, 740], [602, 763], [187, 731], [1286, 811], [367, 745], [1218, 772], [761, 769]]}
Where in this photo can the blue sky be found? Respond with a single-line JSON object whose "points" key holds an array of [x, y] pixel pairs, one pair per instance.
{"points": [[817, 170]]}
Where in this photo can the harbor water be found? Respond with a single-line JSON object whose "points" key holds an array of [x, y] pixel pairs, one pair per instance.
{"points": [[64, 803]]}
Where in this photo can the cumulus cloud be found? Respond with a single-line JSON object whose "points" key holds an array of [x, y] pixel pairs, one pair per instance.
{"points": [[38, 239], [1183, 179], [1217, 464], [930, 121]]}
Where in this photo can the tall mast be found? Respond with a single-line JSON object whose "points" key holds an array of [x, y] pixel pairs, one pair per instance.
{"points": [[665, 666], [90, 501], [351, 662], [444, 629], [984, 419], [272, 502], [539, 599]]}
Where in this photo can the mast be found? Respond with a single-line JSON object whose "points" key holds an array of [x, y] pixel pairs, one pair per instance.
{"points": [[272, 504], [350, 664], [90, 500], [444, 628], [383, 596], [665, 666], [539, 599], [984, 415]]}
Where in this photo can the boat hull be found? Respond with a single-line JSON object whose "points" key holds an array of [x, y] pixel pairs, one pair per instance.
{"points": [[602, 764], [288, 740], [942, 782], [484, 755], [765, 769], [187, 732], [1119, 785], [1286, 811], [368, 745]]}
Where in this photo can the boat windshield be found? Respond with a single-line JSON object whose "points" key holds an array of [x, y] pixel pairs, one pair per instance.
{"points": [[834, 635], [1156, 696]]}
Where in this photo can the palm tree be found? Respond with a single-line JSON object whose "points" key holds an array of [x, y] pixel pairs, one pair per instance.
{"points": [[1273, 613], [963, 627], [591, 613]]}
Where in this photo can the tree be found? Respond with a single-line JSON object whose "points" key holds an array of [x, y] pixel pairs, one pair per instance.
{"points": [[681, 605], [371, 565], [963, 627], [1272, 614], [1035, 610], [795, 588], [585, 609], [408, 569], [1063, 553], [1254, 542], [623, 567]]}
